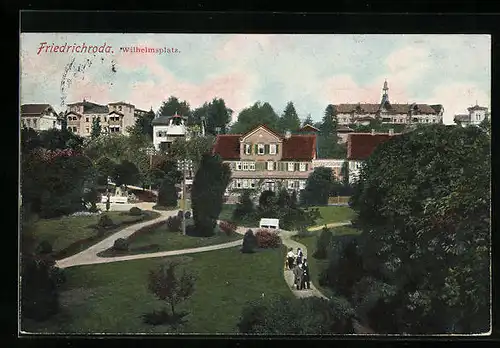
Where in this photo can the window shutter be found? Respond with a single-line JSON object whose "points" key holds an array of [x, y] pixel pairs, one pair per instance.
{"points": [[255, 149], [274, 165], [277, 149], [296, 166], [250, 146], [266, 149], [307, 165]]}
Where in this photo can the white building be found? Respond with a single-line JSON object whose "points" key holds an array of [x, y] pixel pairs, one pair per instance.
{"points": [[476, 115], [39, 117], [166, 129]]}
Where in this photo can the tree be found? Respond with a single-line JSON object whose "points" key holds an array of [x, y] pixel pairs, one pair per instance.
{"points": [[328, 146], [209, 185], [249, 242], [329, 123], [194, 149], [423, 204], [143, 125], [125, 173], [216, 115], [289, 120], [245, 208], [172, 106], [323, 243], [105, 168], [308, 120], [318, 187], [96, 128], [167, 195], [259, 113], [169, 286]]}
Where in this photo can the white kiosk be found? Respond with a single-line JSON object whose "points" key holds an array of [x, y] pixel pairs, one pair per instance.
{"points": [[273, 224]]}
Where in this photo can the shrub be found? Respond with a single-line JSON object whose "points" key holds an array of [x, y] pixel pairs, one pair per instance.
{"points": [[180, 213], [187, 215], [267, 239], [135, 211], [44, 247], [227, 227], [249, 242], [303, 232], [192, 231], [322, 243], [105, 222], [174, 224], [121, 244]]}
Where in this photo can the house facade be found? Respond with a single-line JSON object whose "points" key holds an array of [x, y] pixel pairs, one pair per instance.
{"points": [[334, 164], [359, 147], [113, 117], [39, 117], [476, 115], [388, 113], [166, 129], [262, 159]]}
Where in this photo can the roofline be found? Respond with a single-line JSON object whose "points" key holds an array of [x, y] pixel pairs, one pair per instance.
{"points": [[262, 125]]}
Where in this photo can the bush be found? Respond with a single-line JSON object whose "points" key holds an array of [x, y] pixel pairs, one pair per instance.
{"points": [[323, 241], [227, 227], [187, 215], [267, 239], [105, 222], [44, 247], [135, 211], [180, 213], [121, 244], [304, 232], [249, 242], [174, 224]]}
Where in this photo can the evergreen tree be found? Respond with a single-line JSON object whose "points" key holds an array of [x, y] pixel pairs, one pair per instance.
{"points": [[167, 195], [174, 105], [308, 120], [96, 128], [245, 208], [289, 120]]}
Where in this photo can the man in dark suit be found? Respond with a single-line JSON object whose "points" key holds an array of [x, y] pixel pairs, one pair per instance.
{"points": [[306, 280]]}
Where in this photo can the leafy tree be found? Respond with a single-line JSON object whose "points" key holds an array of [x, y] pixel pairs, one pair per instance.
{"points": [[167, 195], [323, 243], [328, 146], [423, 203], [344, 172], [169, 286], [251, 117], [216, 115], [194, 149], [174, 105], [96, 128], [289, 120], [125, 173], [308, 120], [105, 168], [209, 185], [245, 208], [318, 187], [268, 207], [143, 126]]}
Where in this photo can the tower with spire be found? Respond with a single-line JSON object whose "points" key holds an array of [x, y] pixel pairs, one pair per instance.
{"points": [[385, 95]]}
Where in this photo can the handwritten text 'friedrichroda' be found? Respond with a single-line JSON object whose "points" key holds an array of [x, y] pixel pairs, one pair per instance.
{"points": [[104, 48]]}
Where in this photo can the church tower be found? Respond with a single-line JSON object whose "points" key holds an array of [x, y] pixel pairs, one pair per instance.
{"points": [[385, 95]]}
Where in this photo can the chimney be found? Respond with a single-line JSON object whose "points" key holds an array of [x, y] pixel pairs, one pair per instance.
{"points": [[288, 134], [373, 131], [391, 131]]}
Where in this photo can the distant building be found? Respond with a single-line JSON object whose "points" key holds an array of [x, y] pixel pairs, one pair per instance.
{"points": [[334, 164], [360, 146], [363, 114], [113, 117], [342, 133], [476, 115], [166, 129], [39, 117]]}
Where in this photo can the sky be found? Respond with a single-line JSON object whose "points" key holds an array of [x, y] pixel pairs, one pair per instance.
{"points": [[310, 70]]}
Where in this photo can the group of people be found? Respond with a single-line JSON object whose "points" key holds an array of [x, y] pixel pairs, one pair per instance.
{"points": [[297, 263]]}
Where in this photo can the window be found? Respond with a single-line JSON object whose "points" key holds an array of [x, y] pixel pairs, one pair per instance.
{"points": [[290, 184], [245, 183], [87, 130], [302, 167], [270, 165], [105, 118], [238, 183], [302, 184], [120, 108], [34, 122], [245, 165], [247, 149], [251, 166], [54, 124], [272, 149], [252, 183], [291, 166], [238, 165], [74, 129], [86, 119], [260, 149], [158, 134]]}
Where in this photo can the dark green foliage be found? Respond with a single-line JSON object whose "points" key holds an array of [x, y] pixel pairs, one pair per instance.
{"points": [[207, 193], [180, 213], [174, 106], [125, 173], [174, 224], [44, 247], [104, 223], [289, 120], [323, 243], [245, 208], [96, 128], [167, 195], [187, 215], [135, 211], [259, 113], [216, 115], [311, 315], [143, 126], [121, 244], [318, 187], [249, 242]]}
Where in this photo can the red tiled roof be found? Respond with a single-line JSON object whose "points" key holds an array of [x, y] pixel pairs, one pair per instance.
{"points": [[227, 146], [299, 147], [361, 145]]}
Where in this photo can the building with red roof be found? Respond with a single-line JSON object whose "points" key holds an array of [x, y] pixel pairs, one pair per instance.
{"points": [[264, 159], [360, 146]]}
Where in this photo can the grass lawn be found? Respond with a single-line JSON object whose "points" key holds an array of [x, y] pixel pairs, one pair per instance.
{"points": [[69, 235], [158, 238], [331, 214], [110, 298], [316, 266]]}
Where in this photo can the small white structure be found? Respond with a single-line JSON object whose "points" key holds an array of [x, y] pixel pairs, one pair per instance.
{"points": [[269, 223], [476, 115], [118, 197], [166, 130]]}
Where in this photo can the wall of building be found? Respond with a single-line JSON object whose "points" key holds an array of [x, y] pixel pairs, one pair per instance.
{"points": [[261, 136]]}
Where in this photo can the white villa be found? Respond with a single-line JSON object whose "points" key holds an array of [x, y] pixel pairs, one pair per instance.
{"points": [[166, 129], [39, 117], [476, 115]]}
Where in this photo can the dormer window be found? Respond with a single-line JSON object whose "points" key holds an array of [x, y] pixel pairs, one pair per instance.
{"points": [[248, 149], [260, 149], [272, 149]]}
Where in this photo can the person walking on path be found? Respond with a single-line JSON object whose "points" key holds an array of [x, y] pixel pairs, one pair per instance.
{"points": [[306, 279], [290, 258], [299, 256], [297, 272]]}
